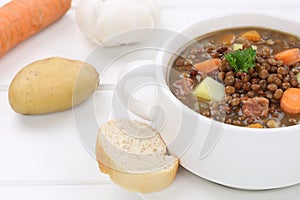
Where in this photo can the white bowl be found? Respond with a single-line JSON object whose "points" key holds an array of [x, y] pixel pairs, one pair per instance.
{"points": [[230, 155]]}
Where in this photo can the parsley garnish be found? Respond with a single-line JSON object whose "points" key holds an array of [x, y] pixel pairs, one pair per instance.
{"points": [[241, 60]]}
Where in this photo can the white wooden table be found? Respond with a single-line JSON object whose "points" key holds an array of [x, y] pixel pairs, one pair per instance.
{"points": [[41, 157]]}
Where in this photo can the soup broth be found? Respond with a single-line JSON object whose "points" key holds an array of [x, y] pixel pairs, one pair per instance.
{"points": [[254, 67]]}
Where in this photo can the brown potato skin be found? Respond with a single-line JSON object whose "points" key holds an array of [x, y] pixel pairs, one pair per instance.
{"points": [[52, 85]]}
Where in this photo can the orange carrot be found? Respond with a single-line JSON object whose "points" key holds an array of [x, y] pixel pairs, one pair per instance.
{"points": [[208, 66], [290, 101], [255, 125], [20, 19], [289, 56], [227, 39], [252, 36]]}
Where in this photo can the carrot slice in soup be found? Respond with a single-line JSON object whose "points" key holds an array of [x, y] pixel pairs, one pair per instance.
{"points": [[227, 39], [290, 101], [289, 56], [208, 66], [252, 36]]}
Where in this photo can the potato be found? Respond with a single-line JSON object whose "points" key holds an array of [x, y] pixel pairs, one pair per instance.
{"points": [[210, 90], [298, 77], [236, 46], [52, 85]]}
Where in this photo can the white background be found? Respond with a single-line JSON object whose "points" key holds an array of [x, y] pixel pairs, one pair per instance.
{"points": [[41, 157]]}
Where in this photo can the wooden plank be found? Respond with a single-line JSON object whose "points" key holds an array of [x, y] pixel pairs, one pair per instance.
{"points": [[47, 43], [192, 3], [230, 3], [77, 192], [68, 47], [45, 149]]}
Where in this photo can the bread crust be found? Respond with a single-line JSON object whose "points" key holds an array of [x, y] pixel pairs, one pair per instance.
{"points": [[142, 183], [136, 182]]}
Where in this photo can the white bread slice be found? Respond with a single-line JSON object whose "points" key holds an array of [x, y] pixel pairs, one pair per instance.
{"points": [[134, 156]]}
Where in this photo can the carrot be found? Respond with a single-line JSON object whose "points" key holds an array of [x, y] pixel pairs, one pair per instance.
{"points": [[227, 39], [255, 125], [290, 101], [252, 36], [20, 19], [208, 66], [289, 56]]}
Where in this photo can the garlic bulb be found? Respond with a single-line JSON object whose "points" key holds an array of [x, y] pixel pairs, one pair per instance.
{"points": [[102, 20]]}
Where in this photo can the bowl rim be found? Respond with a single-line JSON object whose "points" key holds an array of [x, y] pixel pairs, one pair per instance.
{"points": [[261, 131]]}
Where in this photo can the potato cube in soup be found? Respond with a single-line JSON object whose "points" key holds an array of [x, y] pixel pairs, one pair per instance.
{"points": [[210, 90]]}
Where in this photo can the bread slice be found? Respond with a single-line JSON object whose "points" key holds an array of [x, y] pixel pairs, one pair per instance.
{"points": [[134, 156]]}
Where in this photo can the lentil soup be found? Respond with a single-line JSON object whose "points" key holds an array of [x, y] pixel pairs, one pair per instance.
{"points": [[254, 67]]}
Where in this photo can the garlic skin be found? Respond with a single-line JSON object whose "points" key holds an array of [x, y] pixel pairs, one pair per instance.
{"points": [[101, 20]]}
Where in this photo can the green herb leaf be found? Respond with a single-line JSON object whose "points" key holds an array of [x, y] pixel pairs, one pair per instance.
{"points": [[241, 60]]}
